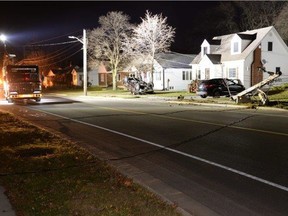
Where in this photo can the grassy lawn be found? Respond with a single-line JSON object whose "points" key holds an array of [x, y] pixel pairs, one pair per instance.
{"points": [[47, 175]]}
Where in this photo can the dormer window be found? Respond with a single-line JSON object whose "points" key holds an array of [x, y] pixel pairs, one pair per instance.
{"points": [[236, 47], [240, 42], [205, 50]]}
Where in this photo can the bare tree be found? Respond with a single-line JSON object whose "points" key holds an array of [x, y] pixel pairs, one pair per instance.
{"points": [[281, 23], [153, 35], [40, 58], [247, 15], [259, 14], [108, 42], [230, 13]]}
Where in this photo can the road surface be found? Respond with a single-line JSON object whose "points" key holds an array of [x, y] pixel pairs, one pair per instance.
{"points": [[208, 160]]}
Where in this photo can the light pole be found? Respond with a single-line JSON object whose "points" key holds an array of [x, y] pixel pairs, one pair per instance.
{"points": [[84, 42]]}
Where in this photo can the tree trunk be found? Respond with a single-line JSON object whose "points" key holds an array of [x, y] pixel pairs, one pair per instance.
{"points": [[152, 68], [114, 76]]}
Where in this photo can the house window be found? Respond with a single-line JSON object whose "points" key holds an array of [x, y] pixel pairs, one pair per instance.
{"points": [[270, 46], [232, 73], [186, 75], [205, 50], [199, 74], [236, 47]]}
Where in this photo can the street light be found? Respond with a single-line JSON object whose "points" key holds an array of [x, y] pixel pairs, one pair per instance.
{"points": [[3, 38], [84, 42]]}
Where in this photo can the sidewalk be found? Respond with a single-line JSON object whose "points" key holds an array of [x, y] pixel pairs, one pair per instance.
{"points": [[5, 206]]}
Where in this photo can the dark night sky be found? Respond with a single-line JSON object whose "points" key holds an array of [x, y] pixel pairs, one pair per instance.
{"points": [[24, 22]]}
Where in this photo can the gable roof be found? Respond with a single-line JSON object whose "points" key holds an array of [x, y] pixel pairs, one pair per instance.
{"points": [[174, 60], [224, 49], [60, 71]]}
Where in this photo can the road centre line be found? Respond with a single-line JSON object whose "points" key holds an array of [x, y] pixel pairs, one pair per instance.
{"points": [[281, 187]]}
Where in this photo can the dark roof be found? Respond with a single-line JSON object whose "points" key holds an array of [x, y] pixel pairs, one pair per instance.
{"points": [[214, 58], [214, 42], [247, 36], [174, 60], [62, 70]]}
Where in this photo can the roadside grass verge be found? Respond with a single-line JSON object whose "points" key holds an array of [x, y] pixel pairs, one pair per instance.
{"points": [[47, 175], [278, 95], [97, 91]]}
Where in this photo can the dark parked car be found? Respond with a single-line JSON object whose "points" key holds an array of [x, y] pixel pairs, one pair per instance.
{"points": [[219, 87]]}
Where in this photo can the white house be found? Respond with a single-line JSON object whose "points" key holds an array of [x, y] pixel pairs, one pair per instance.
{"points": [[172, 71], [239, 56], [92, 76]]}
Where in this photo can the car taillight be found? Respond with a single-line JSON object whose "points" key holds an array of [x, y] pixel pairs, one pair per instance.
{"points": [[209, 85]]}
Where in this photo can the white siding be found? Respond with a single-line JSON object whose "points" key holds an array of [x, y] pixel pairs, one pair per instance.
{"points": [[175, 77], [172, 79], [215, 70], [247, 71], [278, 57], [238, 65], [157, 76], [93, 77], [195, 69]]}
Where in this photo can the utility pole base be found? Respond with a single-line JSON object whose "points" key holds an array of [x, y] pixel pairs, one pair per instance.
{"points": [[242, 99]]}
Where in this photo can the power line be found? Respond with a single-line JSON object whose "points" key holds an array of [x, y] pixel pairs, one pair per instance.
{"points": [[53, 38], [57, 53], [62, 59], [51, 44]]}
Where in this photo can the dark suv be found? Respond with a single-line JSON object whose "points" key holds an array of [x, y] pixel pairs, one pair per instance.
{"points": [[219, 87]]}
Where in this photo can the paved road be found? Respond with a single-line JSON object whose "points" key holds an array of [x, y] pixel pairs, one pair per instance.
{"points": [[207, 160]]}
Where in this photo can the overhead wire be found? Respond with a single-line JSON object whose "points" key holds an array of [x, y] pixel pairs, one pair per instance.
{"points": [[62, 59], [57, 53], [53, 38], [51, 44]]}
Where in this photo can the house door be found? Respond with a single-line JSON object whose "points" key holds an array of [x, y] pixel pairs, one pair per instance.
{"points": [[207, 73], [256, 74]]}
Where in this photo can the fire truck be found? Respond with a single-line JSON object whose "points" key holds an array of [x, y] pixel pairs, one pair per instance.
{"points": [[21, 82]]}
